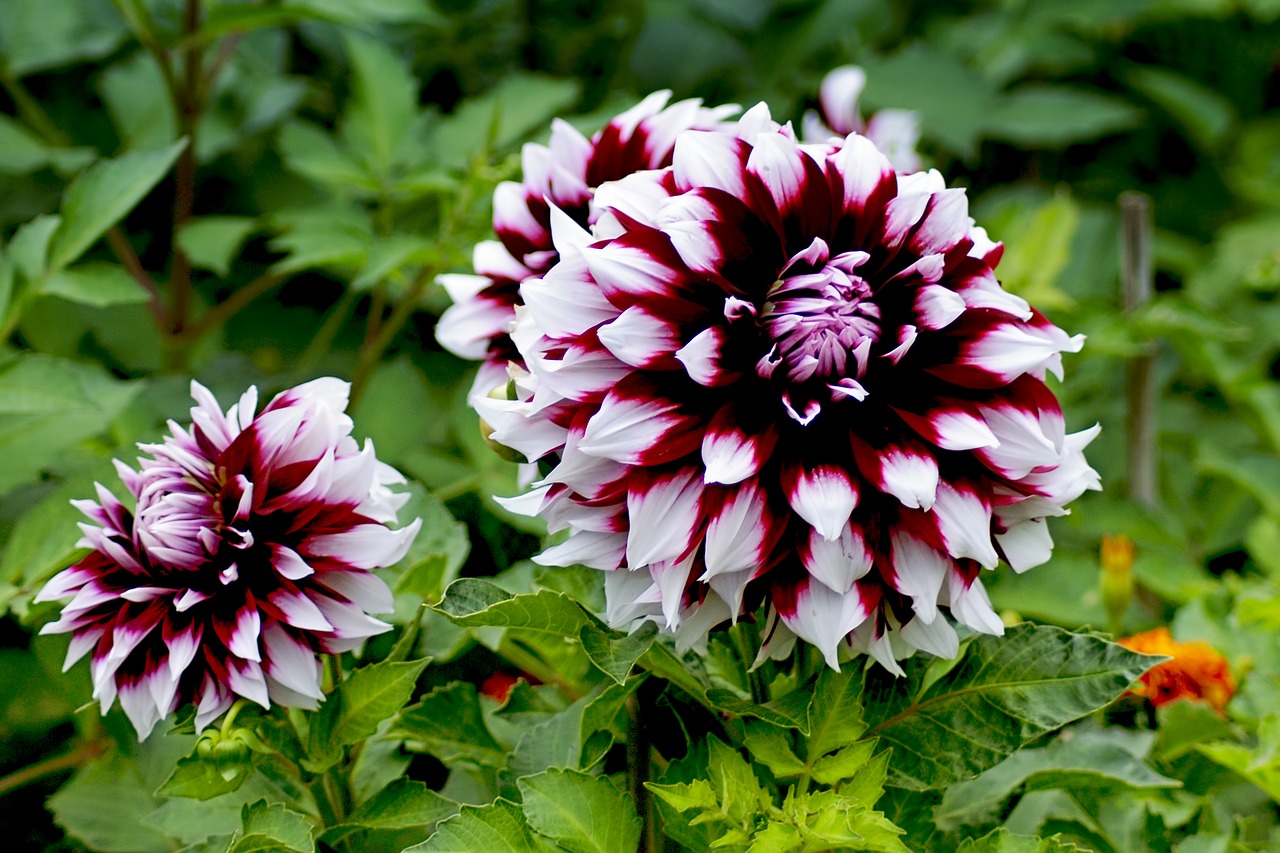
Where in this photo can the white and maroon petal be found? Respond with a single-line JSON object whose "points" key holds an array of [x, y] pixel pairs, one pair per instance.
{"points": [[364, 589], [905, 469], [663, 510], [364, 546], [896, 133], [918, 571], [823, 495], [351, 625], [740, 529], [566, 301], [1026, 545], [244, 677], [291, 663], [298, 610], [1024, 442], [638, 430], [952, 425], [864, 178], [945, 223], [838, 562], [964, 522], [936, 307], [466, 329], [970, 605], [937, 638], [214, 701], [838, 94], [512, 218], [709, 159], [82, 642], [731, 453], [139, 706], [641, 338], [821, 616], [183, 644], [240, 633], [594, 549], [703, 358], [493, 263]]}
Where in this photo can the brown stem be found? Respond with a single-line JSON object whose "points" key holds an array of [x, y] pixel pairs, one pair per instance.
{"points": [[124, 252], [1141, 391], [31, 111], [188, 104], [225, 52], [232, 305], [67, 761]]}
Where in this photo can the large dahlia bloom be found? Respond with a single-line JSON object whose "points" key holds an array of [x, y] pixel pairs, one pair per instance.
{"points": [[562, 174], [250, 550], [894, 132], [783, 374]]}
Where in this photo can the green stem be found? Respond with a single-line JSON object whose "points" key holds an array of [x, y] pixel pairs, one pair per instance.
{"points": [[372, 351], [326, 335], [230, 718], [638, 770], [219, 314], [187, 103], [31, 111], [457, 488], [82, 754], [527, 661]]}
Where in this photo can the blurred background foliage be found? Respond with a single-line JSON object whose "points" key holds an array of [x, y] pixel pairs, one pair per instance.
{"points": [[262, 192]]}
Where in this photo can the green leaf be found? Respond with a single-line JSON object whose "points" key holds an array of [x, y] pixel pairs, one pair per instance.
{"points": [[683, 796], [835, 715], [1074, 764], [1003, 841], [312, 153], [496, 828], [771, 746], [103, 805], [1183, 725], [22, 152], [846, 764], [32, 39], [1050, 116], [789, 712], [212, 241], [448, 724], [200, 779], [274, 828], [477, 603], [1004, 693], [391, 254], [355, 710], [138, 102], [405, 804], [102, 196], [617, 656], [518, 106], [48, 404], [98, 284], [30, 246], [1204, 114], [579, 812], [384, 102], [1040, 246], [575, 738]]}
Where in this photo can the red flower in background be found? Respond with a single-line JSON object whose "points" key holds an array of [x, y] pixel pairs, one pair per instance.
{"points": [[250, 551]]}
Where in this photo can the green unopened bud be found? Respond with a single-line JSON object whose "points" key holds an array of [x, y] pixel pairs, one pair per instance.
{"points": [[1117, 577], [502, 392]]}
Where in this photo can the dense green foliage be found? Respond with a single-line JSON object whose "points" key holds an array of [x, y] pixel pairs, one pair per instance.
{"points": [[264, 192]]}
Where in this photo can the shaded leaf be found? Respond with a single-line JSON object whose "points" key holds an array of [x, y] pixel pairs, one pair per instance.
{"points": [[579, 812], [448, 724], [617, 656], [98, 284], [496, 828], [211, 242], [1049, 116], [272, 827], [354, 711]]}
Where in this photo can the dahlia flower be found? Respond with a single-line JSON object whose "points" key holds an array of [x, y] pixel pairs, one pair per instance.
{"points": [[249, 551], [894, 132], [780, 373], [563, 174], [1197, 671]]}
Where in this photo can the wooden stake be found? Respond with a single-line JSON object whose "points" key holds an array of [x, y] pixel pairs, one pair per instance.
{"points": [[1140, 378]]}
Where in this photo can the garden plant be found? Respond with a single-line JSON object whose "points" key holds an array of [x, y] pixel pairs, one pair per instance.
{"points": [[767, 426]]}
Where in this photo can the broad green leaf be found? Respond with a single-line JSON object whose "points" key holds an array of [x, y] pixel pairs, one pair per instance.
{"points": [[1049, 116], [518, 106], [835, 715], [272, 827], [617, 656], [448, 724], [440, 549], [225, 18], [312, 153], [32, 39], [771, 746], [138, 102], [845, 763], [392, 254], [575, 738], [789, 712], [1256, 473], [355, 710], [1039, 248], [198, 779], [97, 284], [384, 101], [22, 152], [361, 11], [190, 821], [29, 247], [1183, 725], [1074, 764], [1005, 692], [1204, 114], [1003, 841], [579, 812], [43, 539], [1260, 765], [104, 804], [102, 196], [477, 603], [496, 828], [211, 242], [47, 405], [403, 804]]}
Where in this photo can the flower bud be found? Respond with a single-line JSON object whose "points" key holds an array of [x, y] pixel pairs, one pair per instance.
{"points": [[1117, 577]]}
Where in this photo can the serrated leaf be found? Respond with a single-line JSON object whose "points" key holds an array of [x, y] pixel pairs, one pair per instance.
{"points": [[789, 712], [519, 105], [770, 746], [496, 828], [198, 779], [579, 812], [353, 713], [103, 805], [272, 827], [1052, 116], [476, 603], [312, 153], [404, 804], [390, 254], [212, 241], [102, 196], [100, 285], [683, 796], [617, 656], [1003, 841], [384, 101], [568, 739], [843, 764], [1004, 693], [448, 724], [835, 715]]}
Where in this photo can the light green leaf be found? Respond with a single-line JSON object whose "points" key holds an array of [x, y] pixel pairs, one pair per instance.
{"points": [[32, 39], [403, 804], [199, 779], [94, 283], [22, 152], [846, 763], [1204, 114], [475, 603], [518, 106], [226, 18], [496, 828], [384, 101], [448, 724], [1075, 764], [1003, 841], [138, 102], [272, 828], [390, 255], [1050, 116], [575, 738], [789, 712], [835, 715], [355, 710], [683, 796], [102, 196], [362, 11], [1005, 692], [579, 812], [771, 746], [212, 241], [442, 546], [30, 245], [616, 656], [312, 153], [1039, 248]]}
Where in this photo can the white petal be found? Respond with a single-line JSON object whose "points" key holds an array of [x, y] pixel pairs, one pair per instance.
{"points": [[1026, 545], [664, 516]]}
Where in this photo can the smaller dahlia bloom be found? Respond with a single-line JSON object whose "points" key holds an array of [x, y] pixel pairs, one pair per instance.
{"points": [[1197, 671], [250, 550], [894, 132], [563, 174], [782, 374]]}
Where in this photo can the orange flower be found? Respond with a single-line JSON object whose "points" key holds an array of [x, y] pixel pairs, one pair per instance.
{"points": [[1197, 671]]}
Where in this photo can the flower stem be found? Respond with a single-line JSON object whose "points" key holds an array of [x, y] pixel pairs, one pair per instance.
{"points": [[638, 767], [82, 754], [373, 349], [1141, 391]]}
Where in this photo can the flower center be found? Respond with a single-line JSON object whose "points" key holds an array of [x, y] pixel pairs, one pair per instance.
{"points": [[820, 318]]}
